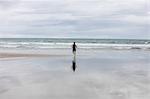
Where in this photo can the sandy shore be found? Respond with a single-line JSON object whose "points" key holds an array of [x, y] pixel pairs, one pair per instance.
{"points": [[33, 53], [13, 55], [100, 74]]}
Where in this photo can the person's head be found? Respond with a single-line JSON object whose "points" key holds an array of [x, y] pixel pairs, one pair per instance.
{"points": [[74, 42]]}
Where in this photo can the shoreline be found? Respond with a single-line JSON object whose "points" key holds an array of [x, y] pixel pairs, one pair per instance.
{"points": [[13, 53], [17, 55]]}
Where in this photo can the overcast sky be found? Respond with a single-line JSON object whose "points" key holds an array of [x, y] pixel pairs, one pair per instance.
{"points": [[75, 18]]}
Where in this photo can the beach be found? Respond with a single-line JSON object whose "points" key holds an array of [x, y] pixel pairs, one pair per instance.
{"points": [[74, 49], [99, 74]]}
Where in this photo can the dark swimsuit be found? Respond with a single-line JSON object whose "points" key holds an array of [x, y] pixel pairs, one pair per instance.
{"points": [[74, 48]]}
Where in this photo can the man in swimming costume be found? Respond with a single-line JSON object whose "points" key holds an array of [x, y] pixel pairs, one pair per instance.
{"points": [[74, 48]]}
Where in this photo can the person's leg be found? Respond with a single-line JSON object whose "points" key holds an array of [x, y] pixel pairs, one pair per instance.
{"points": [[74, 52], [74, 56]]}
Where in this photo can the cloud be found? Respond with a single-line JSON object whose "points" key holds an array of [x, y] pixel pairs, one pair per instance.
{"points": [[75, 18], [7, 4]]}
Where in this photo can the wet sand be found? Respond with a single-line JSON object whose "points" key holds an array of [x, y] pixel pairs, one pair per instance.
{"points": [[13, 55], [100, 74], [32, 53]]}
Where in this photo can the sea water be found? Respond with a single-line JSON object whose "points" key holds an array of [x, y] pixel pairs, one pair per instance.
{"points": [[49, 43]]}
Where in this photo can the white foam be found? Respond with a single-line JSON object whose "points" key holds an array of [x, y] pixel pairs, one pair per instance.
{"points": [[46, 45]]}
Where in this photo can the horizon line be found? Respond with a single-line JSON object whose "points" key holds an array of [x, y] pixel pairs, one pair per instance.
{"points": [[69, 38]]}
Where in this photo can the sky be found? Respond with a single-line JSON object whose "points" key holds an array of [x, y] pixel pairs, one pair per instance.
{"points": [[123, 19]]}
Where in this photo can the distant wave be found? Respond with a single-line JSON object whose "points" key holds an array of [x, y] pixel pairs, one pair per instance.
{"points": [[50, 45]]}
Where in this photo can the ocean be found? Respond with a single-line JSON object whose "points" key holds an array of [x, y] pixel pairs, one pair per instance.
{"points": [[52, 43]]}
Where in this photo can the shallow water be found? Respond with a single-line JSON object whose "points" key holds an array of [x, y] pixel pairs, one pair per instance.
{"points": [[99, 74]]}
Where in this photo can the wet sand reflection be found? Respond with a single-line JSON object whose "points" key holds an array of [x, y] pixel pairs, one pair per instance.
{"points": [[74, 66]]}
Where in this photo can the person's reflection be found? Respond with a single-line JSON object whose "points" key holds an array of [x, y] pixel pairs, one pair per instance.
{"points": [[74, 63]]}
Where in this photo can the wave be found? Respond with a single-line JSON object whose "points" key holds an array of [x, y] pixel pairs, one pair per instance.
{"points": [[50, 45]]}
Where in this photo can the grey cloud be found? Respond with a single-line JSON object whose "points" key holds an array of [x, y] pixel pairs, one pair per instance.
{"points": [[6, 4], [107, 18]]}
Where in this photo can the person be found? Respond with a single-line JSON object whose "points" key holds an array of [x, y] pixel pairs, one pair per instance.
{"points": [[74, 48]]}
